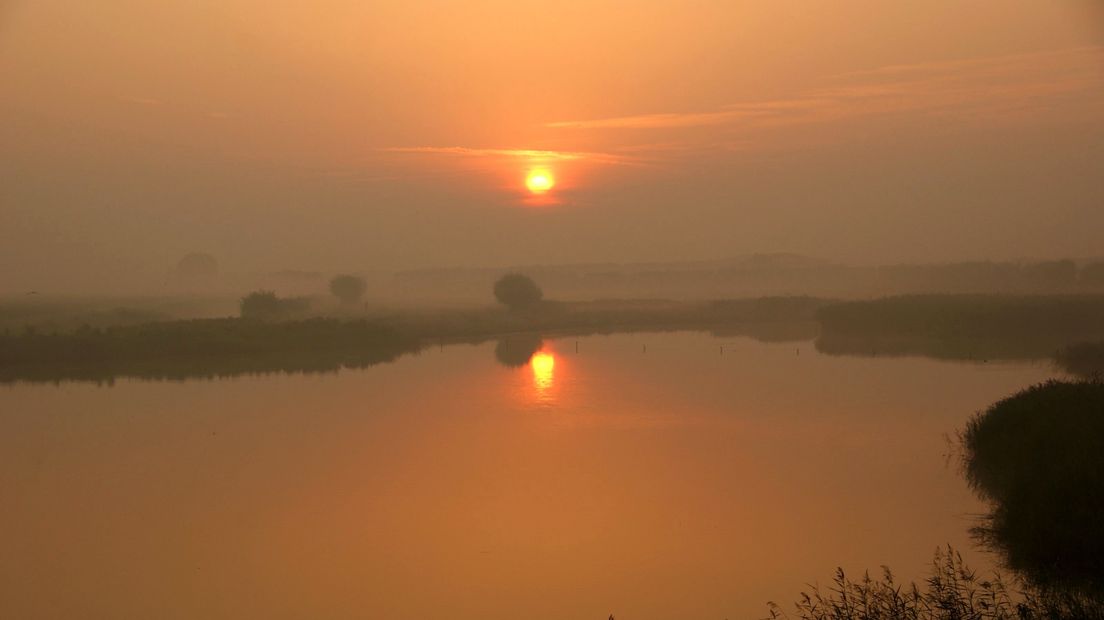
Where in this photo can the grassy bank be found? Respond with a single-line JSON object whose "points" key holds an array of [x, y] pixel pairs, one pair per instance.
{"points": [[976, 327], [225, 347], [199, 348]]}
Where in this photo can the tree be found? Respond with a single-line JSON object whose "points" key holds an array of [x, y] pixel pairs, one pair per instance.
{"points": [[261, 305], [349, 289], [517, 291], [196, 265]]}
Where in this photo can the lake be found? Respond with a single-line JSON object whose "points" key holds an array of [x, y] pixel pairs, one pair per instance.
{"points": [[674, 475]]}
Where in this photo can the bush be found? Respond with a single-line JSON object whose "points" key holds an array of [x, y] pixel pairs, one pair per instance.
{"points": [[349, 289], [517, 291], [266, 306]]}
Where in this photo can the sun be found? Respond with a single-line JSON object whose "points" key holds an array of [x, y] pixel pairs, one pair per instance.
{"points": [[539, 180]]}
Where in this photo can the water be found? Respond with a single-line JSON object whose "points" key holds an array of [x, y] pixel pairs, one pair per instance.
{"points": [[646, 475]]}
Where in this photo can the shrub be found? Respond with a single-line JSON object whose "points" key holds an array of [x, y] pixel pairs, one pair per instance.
{"points": [[266, 306], [349, 289], [517, 291]]}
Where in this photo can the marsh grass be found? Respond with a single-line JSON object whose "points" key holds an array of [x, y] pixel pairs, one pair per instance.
{"points": [[953, 591], [966, 327], [200, 348], [232, 346], [1038, 458]]}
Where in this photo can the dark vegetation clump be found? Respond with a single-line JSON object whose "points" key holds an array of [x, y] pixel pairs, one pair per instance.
{"points": [[517, 292], [952, 592], [516, 350], [266, 306], [348, 289], [272, 336], [196, 265], [1038, 458], [199, 348], [964, 327], [1085, 360]]}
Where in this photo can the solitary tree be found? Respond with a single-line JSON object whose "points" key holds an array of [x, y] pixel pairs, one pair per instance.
{"points": [[196, 265], [517, 292], [349, 289]]}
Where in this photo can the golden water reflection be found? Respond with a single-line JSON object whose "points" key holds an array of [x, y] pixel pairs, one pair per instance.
{"points": [[543, 364]]}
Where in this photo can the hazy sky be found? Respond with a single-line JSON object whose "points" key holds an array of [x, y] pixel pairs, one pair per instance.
{"points": [[352, 135]]}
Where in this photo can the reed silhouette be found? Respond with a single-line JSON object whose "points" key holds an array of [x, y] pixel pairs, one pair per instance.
{"points": [[1038, 458], [952, 591]]}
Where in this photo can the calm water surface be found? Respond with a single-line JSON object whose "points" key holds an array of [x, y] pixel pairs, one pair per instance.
{"points": [[672, 483]]}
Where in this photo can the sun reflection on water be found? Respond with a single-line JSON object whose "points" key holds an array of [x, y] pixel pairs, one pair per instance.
{"points": [[543, 365]]}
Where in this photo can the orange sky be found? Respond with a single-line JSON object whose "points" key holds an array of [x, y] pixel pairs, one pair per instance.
{"points": [[350, 135]]}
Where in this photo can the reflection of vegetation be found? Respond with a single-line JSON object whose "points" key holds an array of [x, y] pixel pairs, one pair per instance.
{"points": [[963, 348], [199, 348], [515, 350], [960, 326], [770, 331], [1038, 456], [952, 592], [1085, 359]]}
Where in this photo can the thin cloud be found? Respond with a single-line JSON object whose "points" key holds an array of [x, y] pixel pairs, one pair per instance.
{"points": [[1033, 80], [1061, 56], [651, 120], [529, 154]]}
